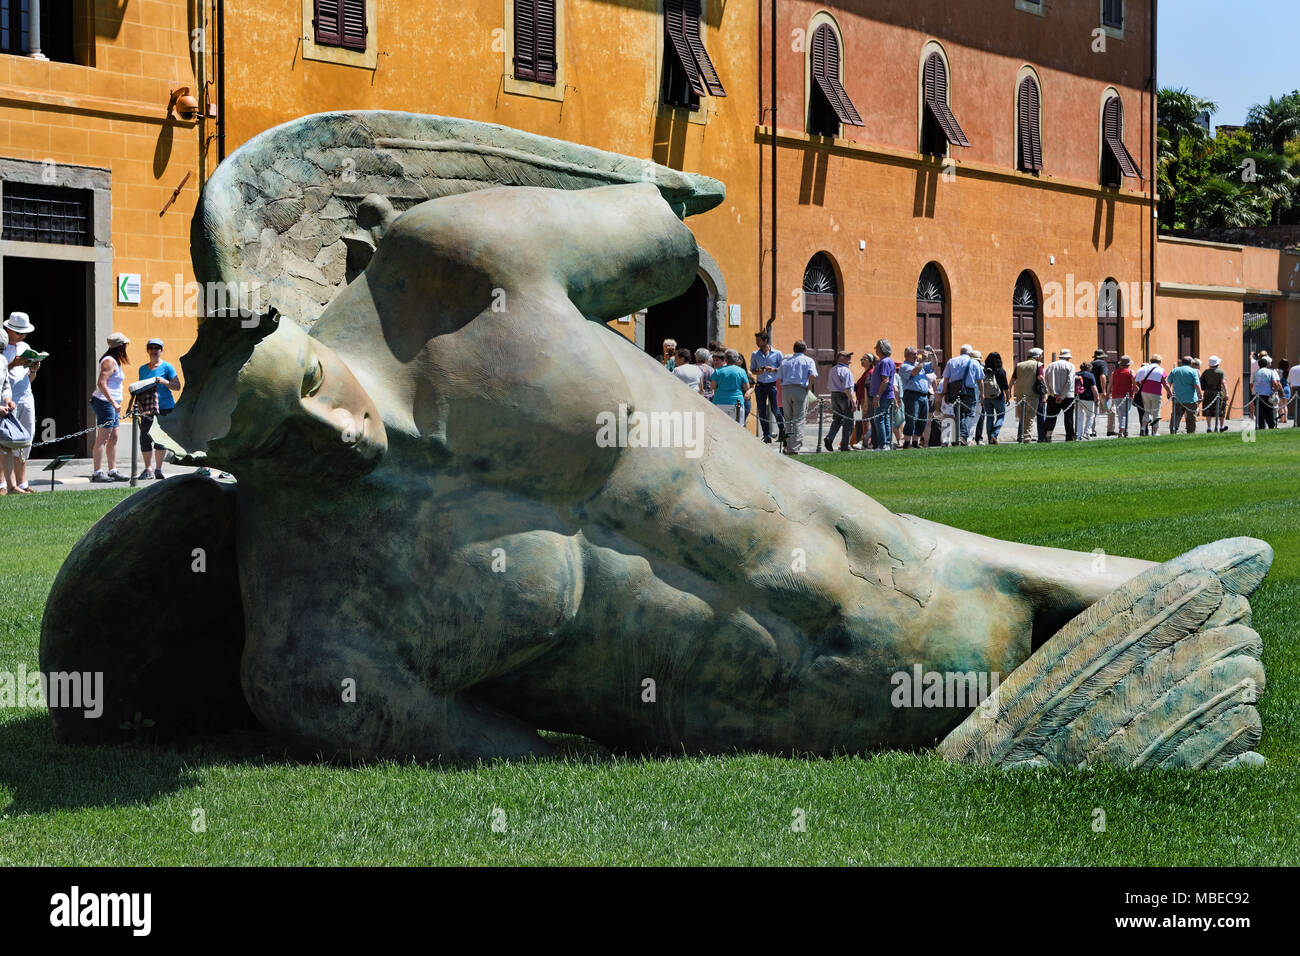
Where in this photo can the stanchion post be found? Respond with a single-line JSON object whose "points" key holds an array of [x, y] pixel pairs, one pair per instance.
{"points": [[135, 442], [821, 418]]}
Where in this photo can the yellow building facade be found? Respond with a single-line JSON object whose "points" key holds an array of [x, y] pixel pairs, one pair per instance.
{"points": [[99, 174], [609, 86]]}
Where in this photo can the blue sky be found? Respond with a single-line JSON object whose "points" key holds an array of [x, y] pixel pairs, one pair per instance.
{"points": [[1234, 52]]}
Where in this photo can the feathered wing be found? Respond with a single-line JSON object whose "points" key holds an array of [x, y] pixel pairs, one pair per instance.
{"points": [[1163, 672], [294, 212]]}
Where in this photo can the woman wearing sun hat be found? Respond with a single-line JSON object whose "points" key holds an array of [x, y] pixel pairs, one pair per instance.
{"points": [[106, 400], [20, 373]]}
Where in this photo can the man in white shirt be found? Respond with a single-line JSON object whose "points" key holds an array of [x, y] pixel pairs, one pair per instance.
{"points": [[797, 375], [1059, 379], [843, 401]]}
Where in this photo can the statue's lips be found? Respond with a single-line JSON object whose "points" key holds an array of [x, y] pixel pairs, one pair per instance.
{"points": [[320, 439]]}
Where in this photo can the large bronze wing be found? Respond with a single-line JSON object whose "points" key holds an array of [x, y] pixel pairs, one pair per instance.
{"points": [[294, 213]]}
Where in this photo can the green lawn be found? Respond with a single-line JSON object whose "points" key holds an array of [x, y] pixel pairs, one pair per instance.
{"points": [[1146, 498]]}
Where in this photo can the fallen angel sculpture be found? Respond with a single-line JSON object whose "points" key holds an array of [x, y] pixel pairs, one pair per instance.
{"points": [[428, 552]]}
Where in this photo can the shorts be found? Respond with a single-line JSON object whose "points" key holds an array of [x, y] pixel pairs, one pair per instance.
{"points": [[105, 413]]}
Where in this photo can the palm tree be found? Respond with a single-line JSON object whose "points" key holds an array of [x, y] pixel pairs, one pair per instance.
{"points": [[1179, 137], [1275, 122]]}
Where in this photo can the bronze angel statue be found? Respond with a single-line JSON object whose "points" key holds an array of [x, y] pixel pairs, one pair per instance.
{"points": [[427, 552]]}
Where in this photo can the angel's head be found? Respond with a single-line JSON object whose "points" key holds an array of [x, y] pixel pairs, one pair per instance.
{"points": [[271, 399]]}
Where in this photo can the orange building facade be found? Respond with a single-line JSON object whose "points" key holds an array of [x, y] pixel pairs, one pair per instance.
{"points": [[887, 227], [607, 81], [944, 173], [1227, 300]]}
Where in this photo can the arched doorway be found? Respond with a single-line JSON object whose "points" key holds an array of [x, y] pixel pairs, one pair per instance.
{"points": [[1110, 321], [685, 319], [932, 312], [1025, 330], [821, 314]]}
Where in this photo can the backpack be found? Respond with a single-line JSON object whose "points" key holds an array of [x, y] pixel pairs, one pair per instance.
{"points": [[990, 388], [952, 391]]}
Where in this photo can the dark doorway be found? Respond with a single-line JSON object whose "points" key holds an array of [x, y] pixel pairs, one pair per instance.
{"points": [[1110, 321], [932, 314], [1024, 317], [821, 315], [53, 292], [1256, 336], [1189, 339], [684, 319]]}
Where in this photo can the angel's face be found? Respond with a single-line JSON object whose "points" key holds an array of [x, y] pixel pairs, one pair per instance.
{"points": [[300, 411]]}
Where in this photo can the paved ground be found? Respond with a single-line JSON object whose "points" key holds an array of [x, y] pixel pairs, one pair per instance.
{"points": [[75, 475]]}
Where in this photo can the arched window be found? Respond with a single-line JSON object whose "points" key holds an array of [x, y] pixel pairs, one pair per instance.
{"points": [[1029, 149], [932, 311], [939, 128], [821, 312], [828, 104], [1110, 321], [1116, 161], [1025, 330]]}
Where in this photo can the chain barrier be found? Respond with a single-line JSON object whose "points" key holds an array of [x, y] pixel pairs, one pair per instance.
{"points": [[128, 416]]}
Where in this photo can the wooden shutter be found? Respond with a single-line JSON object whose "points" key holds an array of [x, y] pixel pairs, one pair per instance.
{"points": [[691, 30], [675, 21], [328, 30], [534, 56], [352, 16], [826, 75], [936, 100], [1113, 134], [1031, 144], [525, 40], [546, 60]]}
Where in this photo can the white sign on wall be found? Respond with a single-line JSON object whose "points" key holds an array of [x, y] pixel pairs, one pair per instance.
{"points": [[735, 315], [128, 288]]}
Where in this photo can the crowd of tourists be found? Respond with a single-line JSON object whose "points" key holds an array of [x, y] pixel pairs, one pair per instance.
{"points": [[922, 402], [152, 398]]}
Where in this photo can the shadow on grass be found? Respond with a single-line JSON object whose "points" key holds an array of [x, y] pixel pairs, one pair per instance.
{"points": [[45, 776]]}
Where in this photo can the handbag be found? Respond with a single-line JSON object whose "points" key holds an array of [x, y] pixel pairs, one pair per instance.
{"points": [[13, 434]]}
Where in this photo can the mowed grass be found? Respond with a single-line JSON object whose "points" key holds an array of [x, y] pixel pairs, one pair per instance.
{"points": [[1146, 498]]}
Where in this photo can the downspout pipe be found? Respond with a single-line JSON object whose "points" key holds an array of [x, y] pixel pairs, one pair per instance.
{"points": [[771, 321], [221, 80], [1153, 139]]}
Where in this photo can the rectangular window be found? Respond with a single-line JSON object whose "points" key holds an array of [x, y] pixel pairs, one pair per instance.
{"points": [[38, 213], [535, 40], [341, 23], [56, 29], [688, 70], [1112, 14]]}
